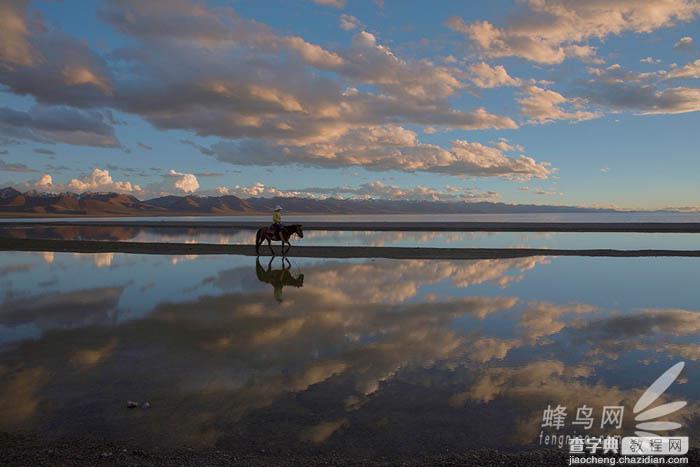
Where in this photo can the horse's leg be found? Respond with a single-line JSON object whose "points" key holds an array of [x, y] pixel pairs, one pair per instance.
{"points": [[289, 247], [269, 245]]}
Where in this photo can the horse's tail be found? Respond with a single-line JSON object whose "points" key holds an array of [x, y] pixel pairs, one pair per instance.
{"points": [[258, 240]]}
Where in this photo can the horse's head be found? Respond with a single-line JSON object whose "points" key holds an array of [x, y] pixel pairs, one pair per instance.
{"points": [[299, 230]]}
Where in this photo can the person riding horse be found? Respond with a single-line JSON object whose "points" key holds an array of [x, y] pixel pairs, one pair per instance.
{"points": [[277, 232], [276, 226]]}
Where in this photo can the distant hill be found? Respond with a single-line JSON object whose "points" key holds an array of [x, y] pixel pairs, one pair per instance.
{"points": [[35, 204]]}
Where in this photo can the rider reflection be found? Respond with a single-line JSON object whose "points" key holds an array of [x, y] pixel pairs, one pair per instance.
{"points": [[278, 278]]}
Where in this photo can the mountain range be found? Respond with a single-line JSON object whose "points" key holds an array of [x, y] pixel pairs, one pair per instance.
{"points": [[36, 204]]}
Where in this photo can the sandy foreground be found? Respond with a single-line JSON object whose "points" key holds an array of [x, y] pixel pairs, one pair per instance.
{"points": [[89, 246]]}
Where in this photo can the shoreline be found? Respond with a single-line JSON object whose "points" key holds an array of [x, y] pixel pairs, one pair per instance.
{"points": [[406, 226], [338, 252]]}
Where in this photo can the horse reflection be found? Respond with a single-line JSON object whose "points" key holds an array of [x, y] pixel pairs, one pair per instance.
{"points": [[278, 278]]}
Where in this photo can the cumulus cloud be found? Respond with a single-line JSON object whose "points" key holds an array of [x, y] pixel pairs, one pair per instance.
{"points": [[387, 148], [176, 182], [372, 190], [99, 180], [544, 106], [690, 70], [349, 22], [549, 31], [684, 44], [484, 75], [58, 124], [207, 70]]}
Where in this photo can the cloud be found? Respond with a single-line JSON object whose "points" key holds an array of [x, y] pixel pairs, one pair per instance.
{"points": [[12, 167], [100, 180], [690, 70], [144, 146], [349, 22], [684, 44], [650, 60], [545, 106], [58, 124], [550, 31], [484, 75], [48, 64], [371, 190], [621, 90], [174, 181], [387, 148], [333, 3], [44, 151], [203, 149], [207, 70], [15, 47]]}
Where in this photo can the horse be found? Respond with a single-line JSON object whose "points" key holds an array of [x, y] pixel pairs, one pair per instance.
{"points": [[278, 278], [286, 232]]}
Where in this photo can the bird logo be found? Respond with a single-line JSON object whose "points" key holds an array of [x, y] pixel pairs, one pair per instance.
{"points": [[648, 418]]}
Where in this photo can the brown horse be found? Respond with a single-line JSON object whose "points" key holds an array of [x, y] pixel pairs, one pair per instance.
{"points": [[285, 233], [278, 278]]}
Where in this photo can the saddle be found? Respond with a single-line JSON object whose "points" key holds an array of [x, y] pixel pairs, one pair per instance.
{"points": [[272, 234]]}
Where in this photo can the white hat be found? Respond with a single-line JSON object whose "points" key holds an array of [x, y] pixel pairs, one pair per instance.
{"points": [[278, 208]]}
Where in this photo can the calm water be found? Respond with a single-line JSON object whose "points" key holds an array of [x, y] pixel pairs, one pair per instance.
{"points": [[227, 236], [523, 217], [364, 357]]}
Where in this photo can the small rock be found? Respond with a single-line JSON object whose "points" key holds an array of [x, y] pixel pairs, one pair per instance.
{"points": [[146, 405], [132, 404], [106, 454]]}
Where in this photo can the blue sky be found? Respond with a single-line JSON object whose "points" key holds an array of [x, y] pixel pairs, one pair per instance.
{"points": [[540, 101]]}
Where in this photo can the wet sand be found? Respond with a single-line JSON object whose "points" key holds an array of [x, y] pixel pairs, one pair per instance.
{"points": [[203, 223], [88, 246]]}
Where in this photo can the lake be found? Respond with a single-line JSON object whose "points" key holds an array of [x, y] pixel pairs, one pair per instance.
{"points": [[229, 236], [364, 358], [660, 216]]}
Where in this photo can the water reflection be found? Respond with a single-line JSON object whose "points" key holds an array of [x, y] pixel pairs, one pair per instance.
{"points": [[368, 358], [278, 278], [227, 236]]}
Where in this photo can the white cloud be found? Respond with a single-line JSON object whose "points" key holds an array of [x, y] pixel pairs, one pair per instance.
{"points": [[372, 190], [684, 44], [650, 60], [690, 70], [484, 75], [99, 180], [349, 22], [180, 182], [549, 31], [388, 147], [544, 106]]}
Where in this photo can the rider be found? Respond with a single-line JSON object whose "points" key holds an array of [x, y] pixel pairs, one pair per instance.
{"points": [[276, 226]]}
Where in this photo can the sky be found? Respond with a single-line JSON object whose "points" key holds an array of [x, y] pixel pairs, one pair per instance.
{"points": [[561, 102]]}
